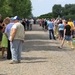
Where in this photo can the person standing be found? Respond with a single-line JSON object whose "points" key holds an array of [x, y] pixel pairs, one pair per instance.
{"points": [[7, 32], [4, 43], [24, 24], [70, 22], [27, 22], [1, 30], [16, 39], [61, 30], [1, 33], [31, 23], [51, 31], [1, 21]]}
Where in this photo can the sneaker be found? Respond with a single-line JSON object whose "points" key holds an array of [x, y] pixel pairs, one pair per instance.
{"points": [[19, 61], [14, 62]]}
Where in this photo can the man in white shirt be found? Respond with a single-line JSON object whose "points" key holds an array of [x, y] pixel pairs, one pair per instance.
{"points": [[16, 39]]}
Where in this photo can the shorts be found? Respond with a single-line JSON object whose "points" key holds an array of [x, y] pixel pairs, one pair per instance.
{"points": [[68, 38], [61, 33]]}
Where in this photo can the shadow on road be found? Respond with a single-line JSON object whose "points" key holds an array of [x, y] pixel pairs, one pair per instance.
{"points": [[41, 42], [35, 62], [34, 59]]}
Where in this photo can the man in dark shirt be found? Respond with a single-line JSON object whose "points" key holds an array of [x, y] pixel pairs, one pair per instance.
{"points": [[67, 35], [24, 24], [1, 29], [1, 36], [1, 19]]}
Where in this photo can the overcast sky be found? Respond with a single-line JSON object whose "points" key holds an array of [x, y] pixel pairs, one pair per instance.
{"points": [[45, 6]]}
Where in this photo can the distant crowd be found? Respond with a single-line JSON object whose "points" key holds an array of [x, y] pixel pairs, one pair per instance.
{"points": [[59, 28]]}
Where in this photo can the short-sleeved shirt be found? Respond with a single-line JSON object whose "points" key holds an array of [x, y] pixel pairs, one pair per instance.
{"points": [[50, 25], [61, 26], [68, 30], [8, 29], [71, 24], [14, 26], [19, 31]]}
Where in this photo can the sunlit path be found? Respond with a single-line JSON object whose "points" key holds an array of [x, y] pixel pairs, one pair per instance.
{"points": [[41, 56]]}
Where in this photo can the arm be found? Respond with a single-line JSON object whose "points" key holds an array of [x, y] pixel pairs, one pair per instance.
{"points": [[13, 31], [64, 32]]}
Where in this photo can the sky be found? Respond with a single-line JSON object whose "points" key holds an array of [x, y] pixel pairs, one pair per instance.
{"points": [[40, 7]]}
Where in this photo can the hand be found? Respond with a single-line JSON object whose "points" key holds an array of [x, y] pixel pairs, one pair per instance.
{"points": [[11, 40], [22, 41], [64, 36]]}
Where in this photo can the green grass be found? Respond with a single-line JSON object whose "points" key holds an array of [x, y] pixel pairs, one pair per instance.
{"points": [[74, 42]]}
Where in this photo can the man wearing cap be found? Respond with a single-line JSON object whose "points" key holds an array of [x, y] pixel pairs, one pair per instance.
{"points": [[16, 39]]}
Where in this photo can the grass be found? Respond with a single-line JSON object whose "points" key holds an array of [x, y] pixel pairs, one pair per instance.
{"points": [[74, 42]]}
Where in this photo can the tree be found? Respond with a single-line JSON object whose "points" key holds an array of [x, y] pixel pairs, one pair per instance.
{"points": [[5, 10], [22, 8], [1, 3], [68, 11], [57, 10], [48, 15]]}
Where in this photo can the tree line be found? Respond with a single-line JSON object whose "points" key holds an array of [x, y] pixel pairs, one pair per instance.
{"points": [[22, 8], [68, 11]]}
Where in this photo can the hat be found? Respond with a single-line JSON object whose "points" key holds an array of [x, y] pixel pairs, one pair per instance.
{"points": [[16, 18]]}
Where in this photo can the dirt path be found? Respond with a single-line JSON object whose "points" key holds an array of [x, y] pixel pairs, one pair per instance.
{"points": [[41, 56]]}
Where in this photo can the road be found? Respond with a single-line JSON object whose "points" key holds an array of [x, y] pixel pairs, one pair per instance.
{"points": [[41, 56]]}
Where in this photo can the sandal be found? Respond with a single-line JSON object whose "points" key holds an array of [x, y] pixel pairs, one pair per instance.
{"points": [[60, 47]]}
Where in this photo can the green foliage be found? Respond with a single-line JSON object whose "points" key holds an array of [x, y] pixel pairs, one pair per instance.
{"points": [[49, 15], [22, 8], [57, 10], [70, 16], [68, 11]]}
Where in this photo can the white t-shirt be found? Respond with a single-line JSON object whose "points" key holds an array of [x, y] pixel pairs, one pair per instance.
{"points": [[14, 26]]}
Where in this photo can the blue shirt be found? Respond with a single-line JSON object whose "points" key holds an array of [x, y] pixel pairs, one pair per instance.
{"points": [[50, 25], [61, 26], [8, 29]]}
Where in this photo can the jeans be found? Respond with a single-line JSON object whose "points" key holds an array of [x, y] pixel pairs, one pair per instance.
{"points": [[16, 49], [68, 38], [51, 34], [30, 26]]}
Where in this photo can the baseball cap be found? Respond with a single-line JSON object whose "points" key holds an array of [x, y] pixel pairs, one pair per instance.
{"points": [[15, 18]]}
